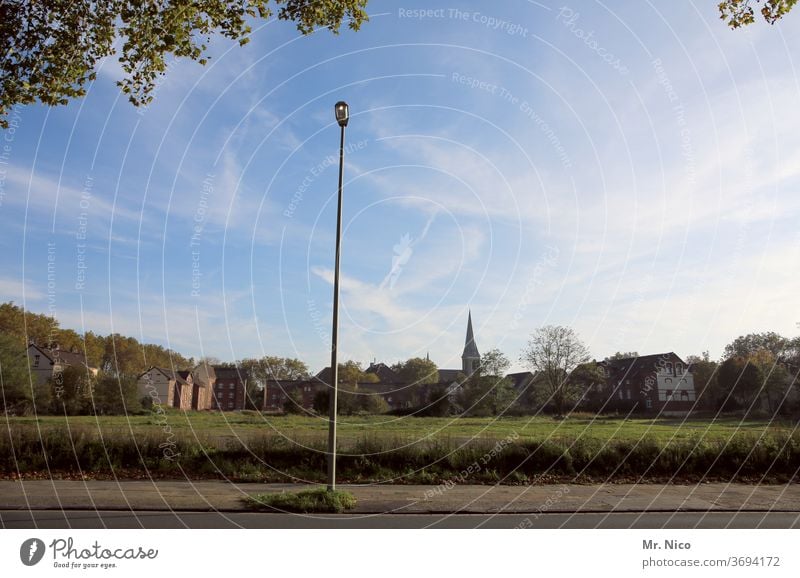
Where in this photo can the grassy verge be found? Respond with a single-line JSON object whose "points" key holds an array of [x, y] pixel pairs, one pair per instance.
{"points": [[80, 451], [318, 500]]}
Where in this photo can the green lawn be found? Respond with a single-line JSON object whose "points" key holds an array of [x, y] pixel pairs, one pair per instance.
{"points": [[227, 427], [519, 450]]}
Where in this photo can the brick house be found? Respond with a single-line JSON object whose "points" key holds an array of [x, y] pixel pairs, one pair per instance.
{"points": [[166, 387], [660, 384], [203, 379], [278, 391], [230, 389], [179, 389]]}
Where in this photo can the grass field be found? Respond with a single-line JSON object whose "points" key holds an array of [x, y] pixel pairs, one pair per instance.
{"points": [[251, 446], [222, 426]]}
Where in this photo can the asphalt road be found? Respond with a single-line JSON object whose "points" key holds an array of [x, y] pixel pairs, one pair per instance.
{"points": [[89, 519]]}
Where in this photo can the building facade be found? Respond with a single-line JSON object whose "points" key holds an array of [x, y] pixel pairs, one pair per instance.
{"points": [[230, 389], [661, 384], [45, 362]]}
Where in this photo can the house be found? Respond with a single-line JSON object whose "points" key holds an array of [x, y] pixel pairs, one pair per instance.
{"points": [[163, 386], [230, 389], [179, 389], [383, 372], [203, 379], [278, 391], [45, 362], [660, 384]]}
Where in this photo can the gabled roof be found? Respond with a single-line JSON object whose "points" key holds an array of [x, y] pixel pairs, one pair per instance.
{"points": [[64, 356], [631, 367], [385, 373], [179, 376], [324, 376]]}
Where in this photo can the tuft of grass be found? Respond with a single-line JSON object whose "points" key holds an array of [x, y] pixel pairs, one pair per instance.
{"points": [[316, 501]]}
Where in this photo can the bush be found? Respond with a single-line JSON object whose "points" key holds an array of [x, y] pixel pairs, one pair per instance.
{"points": [[318, 500]]}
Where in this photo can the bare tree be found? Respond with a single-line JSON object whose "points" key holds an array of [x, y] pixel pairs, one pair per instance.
{"points": [[554, 352]]}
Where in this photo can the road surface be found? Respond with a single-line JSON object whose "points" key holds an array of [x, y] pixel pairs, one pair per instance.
{"points": [[89, 519]]}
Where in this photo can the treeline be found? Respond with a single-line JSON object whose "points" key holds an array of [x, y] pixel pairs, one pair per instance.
{"points": [[758, 372], [75, 390], [115, 354]]}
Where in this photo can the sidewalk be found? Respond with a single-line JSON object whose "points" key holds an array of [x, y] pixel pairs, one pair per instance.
{"points": [[375, 499]]}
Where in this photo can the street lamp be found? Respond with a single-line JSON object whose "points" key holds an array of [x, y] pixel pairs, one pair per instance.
{"points": [[342, 116]]}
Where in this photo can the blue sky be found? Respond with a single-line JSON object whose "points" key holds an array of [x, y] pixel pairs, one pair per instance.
{"points": [[630, 171]]}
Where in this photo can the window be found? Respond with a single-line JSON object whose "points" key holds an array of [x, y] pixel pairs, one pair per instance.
{"points": [[648, 403], [36, 360], [230, 395], [230, 386], [668, 381], [230, 405], [620, 394], [669, 394], [669, 367], [678, 368], [628, 393], [685, 395]]}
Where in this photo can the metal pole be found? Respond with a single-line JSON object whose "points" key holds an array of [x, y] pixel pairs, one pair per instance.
{"points": [[332, 400]]}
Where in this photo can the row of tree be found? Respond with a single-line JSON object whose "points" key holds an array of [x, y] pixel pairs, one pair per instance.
{"points": [[115, 354], [755, 370]]}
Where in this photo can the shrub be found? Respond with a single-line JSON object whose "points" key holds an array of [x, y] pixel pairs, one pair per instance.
{"points": [[318, 500]]}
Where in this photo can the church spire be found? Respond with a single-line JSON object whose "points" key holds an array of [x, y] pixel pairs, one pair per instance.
{"points": [[470, 359]]}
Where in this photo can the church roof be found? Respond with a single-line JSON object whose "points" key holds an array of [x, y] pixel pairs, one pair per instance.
{"points": [[470, 349]]}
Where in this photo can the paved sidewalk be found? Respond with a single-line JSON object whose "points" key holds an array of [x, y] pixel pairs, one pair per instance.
{"points": [[226, 496]]}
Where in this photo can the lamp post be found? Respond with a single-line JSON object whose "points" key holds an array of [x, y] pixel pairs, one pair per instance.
{"points": [[342, 116]]}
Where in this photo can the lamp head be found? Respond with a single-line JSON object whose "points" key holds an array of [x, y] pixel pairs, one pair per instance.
{"points": [[342, 113]]}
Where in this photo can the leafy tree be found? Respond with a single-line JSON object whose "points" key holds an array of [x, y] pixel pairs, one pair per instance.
{"points": [[555, 351], [740, 383], [350, 399], [52, 47], [747, 345], [738, 13], [16, 396], [294, 403], [271, 367], [776, 378], [439, 403], [259, 372], [589, 381], [494, 363], [486, 395], [704, 373], [416, 373], [372, 403], [622, 355], [71, 391], [350, 373], [321, 402], [116, 395]]}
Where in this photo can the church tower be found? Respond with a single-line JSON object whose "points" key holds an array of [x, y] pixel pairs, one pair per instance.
{"points": [[470, 359]]}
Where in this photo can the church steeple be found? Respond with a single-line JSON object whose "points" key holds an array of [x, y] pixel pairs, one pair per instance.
{"points": [[470, 359]]}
